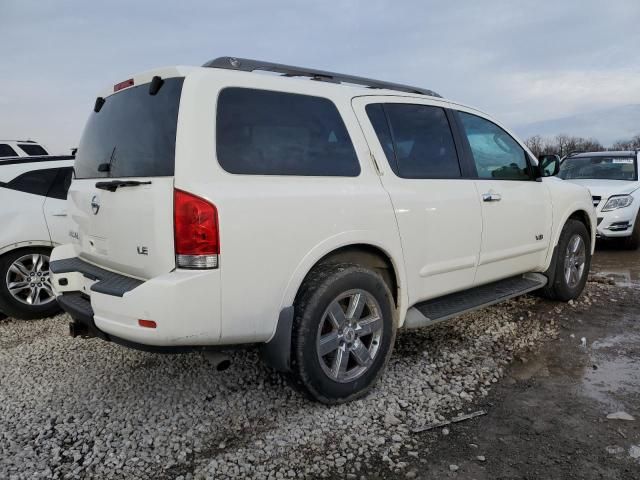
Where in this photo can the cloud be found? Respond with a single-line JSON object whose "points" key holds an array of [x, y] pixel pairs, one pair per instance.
{"points": [[520, 61]]}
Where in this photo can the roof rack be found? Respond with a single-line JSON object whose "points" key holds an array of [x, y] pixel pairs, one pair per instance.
{"points": [[248, 65]]}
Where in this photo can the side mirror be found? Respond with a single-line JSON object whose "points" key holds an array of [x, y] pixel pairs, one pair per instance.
{"points": [[549, 165]]}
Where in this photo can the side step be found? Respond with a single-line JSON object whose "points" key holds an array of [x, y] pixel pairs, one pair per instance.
{"points": [[454, 304]]}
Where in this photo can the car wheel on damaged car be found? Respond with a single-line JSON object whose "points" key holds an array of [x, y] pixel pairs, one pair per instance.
{"points": [[25, 284]]}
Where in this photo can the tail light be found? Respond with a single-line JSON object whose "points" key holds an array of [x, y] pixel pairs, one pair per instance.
{"points": [[197, 240]]}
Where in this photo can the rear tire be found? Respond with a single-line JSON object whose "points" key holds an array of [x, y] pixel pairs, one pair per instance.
{"points": [[343, 332], [572, 264], [633, 242], [31, 295]]}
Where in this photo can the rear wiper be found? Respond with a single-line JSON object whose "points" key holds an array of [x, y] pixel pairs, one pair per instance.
{"points": [[115, 184]]}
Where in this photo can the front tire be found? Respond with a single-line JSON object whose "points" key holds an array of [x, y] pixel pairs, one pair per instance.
{"points": [[25, 288], [343, 332], [572, 263]]}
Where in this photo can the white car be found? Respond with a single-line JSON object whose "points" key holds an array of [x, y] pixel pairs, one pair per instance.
{"points": [[20, 148], [217, 206], [612, 178], [33, 218]]}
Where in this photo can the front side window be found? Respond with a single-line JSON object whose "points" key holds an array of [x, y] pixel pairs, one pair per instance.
{"points": [[417, 140], [496, 154], [261, 132], [599, 167]]}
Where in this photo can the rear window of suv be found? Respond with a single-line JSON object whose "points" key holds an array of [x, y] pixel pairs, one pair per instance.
{"points": [[262, 132], [32, 149], [132, 135]]}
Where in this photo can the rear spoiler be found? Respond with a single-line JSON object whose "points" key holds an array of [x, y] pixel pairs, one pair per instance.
{"points": [[35, 159]]}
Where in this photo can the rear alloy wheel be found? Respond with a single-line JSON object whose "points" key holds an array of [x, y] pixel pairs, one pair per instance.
{"points": [[343, 332], [25, 285]]}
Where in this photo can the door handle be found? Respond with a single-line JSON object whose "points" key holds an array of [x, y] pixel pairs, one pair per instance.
{"points": [[491, 197], [59, 214]]}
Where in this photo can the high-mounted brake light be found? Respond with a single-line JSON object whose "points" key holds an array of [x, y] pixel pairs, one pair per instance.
{"points": [[197, 240], [121, 85]]}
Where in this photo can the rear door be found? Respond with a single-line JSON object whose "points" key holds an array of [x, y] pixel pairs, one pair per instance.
{"points": [[122, 197], [436, 206], [516, 209]]}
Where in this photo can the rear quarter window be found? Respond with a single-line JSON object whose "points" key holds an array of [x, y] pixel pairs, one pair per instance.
{"points": [[32, 149], [261, 132], [35, 182]]}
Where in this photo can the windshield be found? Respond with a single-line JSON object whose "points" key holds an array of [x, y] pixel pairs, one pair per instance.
{"points": [[132, 135], [601, 168]]}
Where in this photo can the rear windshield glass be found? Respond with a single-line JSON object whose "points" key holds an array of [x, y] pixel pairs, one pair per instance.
{"points": [[133, 134], [600, 167], [32, 149]]}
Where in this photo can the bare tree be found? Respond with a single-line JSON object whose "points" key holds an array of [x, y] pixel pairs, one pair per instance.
{"points": [[632, 144]]}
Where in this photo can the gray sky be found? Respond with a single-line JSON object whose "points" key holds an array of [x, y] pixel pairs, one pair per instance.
{"points": [[520, 60]]}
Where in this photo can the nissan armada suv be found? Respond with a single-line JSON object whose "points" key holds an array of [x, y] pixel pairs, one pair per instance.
{"points": [[308, 212]]}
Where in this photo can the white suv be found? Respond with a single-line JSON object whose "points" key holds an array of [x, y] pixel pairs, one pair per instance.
{"points": [[33, 216], [20, 148], [218, 206], [612, 178]]}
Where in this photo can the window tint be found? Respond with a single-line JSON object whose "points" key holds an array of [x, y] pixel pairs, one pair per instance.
{"points": [[61, 184], [36, 182], [496, 154], [7, 151], [375, 112], [133, 134], [260, 132], [423, 145], [32, 149]]}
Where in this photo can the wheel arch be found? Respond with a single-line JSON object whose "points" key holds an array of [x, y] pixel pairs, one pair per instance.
{"points": [[26, 244]]}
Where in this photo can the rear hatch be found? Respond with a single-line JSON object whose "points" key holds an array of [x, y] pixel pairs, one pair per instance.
{"points": [[122, 197]]}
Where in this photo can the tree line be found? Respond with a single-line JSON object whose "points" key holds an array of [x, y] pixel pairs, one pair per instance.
{"points": [[564, 144]]}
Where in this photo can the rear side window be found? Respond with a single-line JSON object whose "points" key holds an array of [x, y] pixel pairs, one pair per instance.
{"points": [[61, 184], [7, 151], [260, 132], [132, 135], [496, 154], [423, 145], [32, 149], [36, 182]]}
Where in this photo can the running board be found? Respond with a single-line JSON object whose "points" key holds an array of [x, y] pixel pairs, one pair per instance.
{"points": [[455, 304]]}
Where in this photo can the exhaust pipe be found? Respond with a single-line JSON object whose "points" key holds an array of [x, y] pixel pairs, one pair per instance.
{"points": [[218, 360]]}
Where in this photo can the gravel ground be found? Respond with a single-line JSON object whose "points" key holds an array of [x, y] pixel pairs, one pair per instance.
{"points": [[72, 408]]}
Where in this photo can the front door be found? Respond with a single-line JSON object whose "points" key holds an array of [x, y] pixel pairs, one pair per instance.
{"points": [[516, 209]]}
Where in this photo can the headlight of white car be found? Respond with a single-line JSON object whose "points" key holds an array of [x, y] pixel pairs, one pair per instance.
{"points": [[619, 201]]}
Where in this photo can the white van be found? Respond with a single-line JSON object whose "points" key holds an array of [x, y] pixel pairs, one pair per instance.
{"points": [[309, 212]]}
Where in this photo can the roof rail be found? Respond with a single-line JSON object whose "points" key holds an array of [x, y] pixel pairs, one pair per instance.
{"points": [[248, 65], [574, 152]]}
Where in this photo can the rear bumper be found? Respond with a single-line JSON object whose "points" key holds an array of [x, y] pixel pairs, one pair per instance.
{"points": [[184, 304]]}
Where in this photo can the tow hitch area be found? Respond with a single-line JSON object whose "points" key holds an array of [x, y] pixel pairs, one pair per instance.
{"points": [[79, 330]]}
